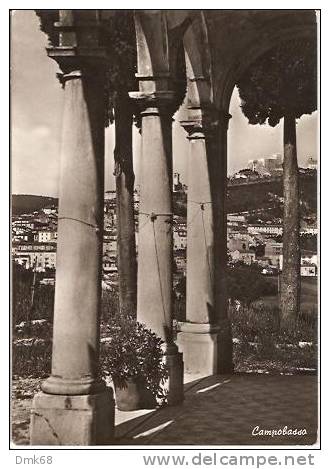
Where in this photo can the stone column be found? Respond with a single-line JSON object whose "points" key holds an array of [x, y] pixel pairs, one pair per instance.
{"points": [[155, 255], [75, 407], [206, 329]]}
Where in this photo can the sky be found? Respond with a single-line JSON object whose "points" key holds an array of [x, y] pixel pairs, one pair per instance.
{"points": [[36, 112]]}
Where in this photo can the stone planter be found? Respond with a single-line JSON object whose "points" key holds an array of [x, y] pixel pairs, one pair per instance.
{"points": [[133, 396]]}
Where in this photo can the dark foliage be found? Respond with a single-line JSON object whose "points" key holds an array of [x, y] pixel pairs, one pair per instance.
{"points": [[246, 284], [22, 309], [120, 41], [281, 82], [31, 357], [308, 242], [261, 196], [260, 343], [133, 351]]}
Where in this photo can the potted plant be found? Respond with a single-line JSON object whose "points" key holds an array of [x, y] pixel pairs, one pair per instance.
{"points": [[134, 358]]}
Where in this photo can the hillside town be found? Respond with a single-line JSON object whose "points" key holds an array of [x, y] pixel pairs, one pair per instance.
{"points": [[164, 260], [250, 240]]}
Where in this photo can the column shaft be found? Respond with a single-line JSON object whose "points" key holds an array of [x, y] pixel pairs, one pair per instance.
{"points": [[155, 225], [155, 256], [205, 337], [75, 407], [79, 245], [200, 240]]}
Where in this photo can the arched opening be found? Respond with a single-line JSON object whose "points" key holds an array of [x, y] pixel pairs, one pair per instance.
{"points": [[256, 179]]}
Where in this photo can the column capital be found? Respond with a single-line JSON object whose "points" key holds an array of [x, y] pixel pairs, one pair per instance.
{"points": [[155, 102], [202, 121], [89, 61], [77, 42]]}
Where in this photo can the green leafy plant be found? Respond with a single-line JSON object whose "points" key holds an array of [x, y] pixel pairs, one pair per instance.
{"points": [[134, 352]]}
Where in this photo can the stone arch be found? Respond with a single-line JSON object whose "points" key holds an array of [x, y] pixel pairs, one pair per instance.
{"points": [[152, 50], [265, 38], [220, 45], [198, 63]]}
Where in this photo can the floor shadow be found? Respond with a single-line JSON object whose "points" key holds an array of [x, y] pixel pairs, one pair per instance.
{"points": [[132, 425], [232, 410]]}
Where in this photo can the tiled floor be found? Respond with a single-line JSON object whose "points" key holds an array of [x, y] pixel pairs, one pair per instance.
{"points": [[225, 410], [217, 411]]}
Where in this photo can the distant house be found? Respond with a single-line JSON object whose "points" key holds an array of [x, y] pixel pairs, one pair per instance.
{"points": [[308, 257], [179, 239], [311, 163], [110, 195], [177, 185], [109, 242], [266, 262], [308, 270], [45, 236], [308, 263], [109, 264], [52, 210], [273, 251], [248, 257], [180, 260], [247, 173], [236, 217], [265, 229], [47, 281], [308, 227], [235, 220], [267, 166], [241, 243], [23, 222], [43, 255]]}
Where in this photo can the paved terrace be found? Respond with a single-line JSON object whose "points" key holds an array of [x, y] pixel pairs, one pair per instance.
{"points": [[218, 411]]}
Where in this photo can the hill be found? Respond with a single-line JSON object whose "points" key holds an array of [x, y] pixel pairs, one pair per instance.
{"points": [[262, 195], [267, 194], [257, 195], [23, 203]]}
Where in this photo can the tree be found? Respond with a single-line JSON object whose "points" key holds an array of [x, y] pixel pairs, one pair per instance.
{"points": [[246, 284], [119, 38], [282, 84]]}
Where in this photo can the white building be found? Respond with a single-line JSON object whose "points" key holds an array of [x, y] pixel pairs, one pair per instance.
{"points": [[236, 217], [180, 239], [177, 185], [308, 257], [49, 210], [109, 264], [308, 270], [266, 166], [23, 223], [110, 195], [308, 264], [246, 256], [42, 259], [311, 163], [265, 229], [45, 236]]}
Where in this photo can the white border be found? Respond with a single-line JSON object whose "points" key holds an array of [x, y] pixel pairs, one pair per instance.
{"points": [[122, 456]]}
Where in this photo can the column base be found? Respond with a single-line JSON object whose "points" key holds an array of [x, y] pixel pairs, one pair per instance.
{"points": [[174, 383], [84, 420], [206, 348]]}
